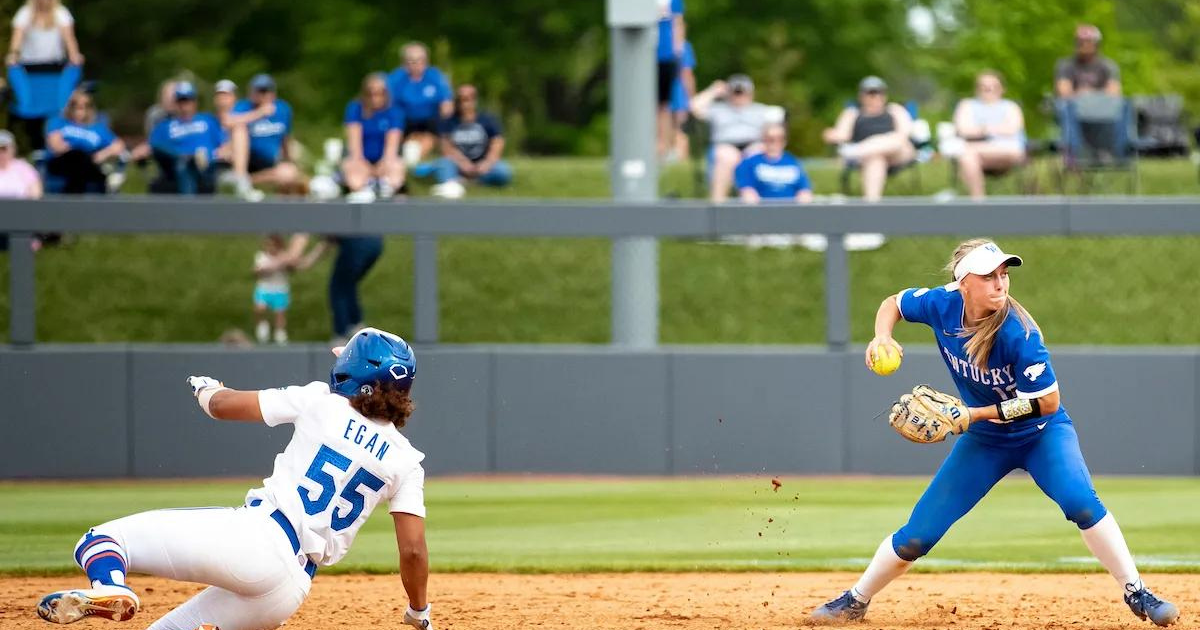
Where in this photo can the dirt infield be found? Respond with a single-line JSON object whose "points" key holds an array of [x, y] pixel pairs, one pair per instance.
{"points": [[646, 601]]}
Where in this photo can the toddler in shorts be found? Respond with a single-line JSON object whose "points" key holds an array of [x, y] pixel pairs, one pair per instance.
{"points": [[272, 292]]}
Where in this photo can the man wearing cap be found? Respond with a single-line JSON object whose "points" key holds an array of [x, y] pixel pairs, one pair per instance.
{"points": [[260, 127], [1088, 90], [737, 124], [423, 94], [874, 135], [185, 144]]}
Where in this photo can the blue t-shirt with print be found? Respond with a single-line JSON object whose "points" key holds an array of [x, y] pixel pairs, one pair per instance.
{"points": [[780, 178], [419, 99], [473, 137], [1017, 367], [176, 136], [80, 137], [375, 128], [267, 133], [667, 10]]}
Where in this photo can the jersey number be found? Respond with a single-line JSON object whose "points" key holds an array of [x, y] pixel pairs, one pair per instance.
{"points": [[316, 472], [1007, 392]]}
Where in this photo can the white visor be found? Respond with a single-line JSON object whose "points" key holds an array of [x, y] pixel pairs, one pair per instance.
{"points": [[981, 261]]}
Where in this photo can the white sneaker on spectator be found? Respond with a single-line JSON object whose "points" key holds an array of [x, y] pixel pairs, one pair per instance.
{"points": [[385, 190], [201, 157], [814, 242], [365, 195], [114, 180], [452, 189], [262, 332], [281, 336], [863, 242]]}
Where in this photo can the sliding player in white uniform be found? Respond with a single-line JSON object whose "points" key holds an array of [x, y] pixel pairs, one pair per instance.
{"points": [[346, 456]]}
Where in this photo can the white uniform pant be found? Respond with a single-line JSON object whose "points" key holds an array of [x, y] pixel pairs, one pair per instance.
{"points": [[256, 579]]}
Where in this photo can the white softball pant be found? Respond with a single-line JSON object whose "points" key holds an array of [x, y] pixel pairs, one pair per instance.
{"points": [[256, 578]]}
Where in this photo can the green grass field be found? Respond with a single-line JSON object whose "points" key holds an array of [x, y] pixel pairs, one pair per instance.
{"points": [[191, 289], [631, 524]]}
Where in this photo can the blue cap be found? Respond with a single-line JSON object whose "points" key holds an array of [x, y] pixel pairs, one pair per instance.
{"points": [[262, 83], [184, 90]]}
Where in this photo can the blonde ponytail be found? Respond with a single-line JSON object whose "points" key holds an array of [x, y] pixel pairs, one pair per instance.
{"points": [[981, 336]]}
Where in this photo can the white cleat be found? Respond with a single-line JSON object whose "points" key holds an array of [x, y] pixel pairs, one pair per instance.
{"points": [[109, 602]]}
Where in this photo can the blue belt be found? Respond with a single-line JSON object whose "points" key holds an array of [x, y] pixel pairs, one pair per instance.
{"points": [[310, 567]]}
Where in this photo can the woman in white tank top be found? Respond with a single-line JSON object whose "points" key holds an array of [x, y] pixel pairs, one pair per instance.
{"points": [[994, 130]]}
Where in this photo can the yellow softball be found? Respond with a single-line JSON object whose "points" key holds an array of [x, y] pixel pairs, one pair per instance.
{"points": [[886, 360]]}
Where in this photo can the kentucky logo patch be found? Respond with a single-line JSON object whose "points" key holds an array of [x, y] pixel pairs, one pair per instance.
{"points": [[1034, 371]]}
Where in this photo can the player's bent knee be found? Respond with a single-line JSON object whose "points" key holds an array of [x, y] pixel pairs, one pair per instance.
{"points": [[1085, 514], [910, 547]]}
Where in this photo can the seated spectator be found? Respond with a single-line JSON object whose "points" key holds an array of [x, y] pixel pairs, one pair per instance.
{"points": [[472, 143], [1087, 88], [992, 129], [185, 145], [423, 94], [43, 43], [79, 144], [737, 126], [874, 135], [373, 130], [775, 174], [156, 113], [224, 98], [261, 128], [18, 179]]}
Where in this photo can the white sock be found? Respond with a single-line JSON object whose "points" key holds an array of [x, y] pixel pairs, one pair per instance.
{"points": [[1105, 541], [885, 567]]}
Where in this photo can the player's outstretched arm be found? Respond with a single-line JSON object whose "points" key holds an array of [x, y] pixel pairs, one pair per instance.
{"points": [[414, 567], [223, 403]]}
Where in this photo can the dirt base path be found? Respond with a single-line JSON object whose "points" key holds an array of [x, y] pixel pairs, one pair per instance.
{"points": [[687, 601]]}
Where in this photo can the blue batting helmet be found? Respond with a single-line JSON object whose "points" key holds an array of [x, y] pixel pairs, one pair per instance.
{"points": [[371, 357]]}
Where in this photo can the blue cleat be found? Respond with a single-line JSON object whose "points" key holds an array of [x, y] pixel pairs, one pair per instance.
{"points": [[110, 602], [1145, 605], [844, 608]]}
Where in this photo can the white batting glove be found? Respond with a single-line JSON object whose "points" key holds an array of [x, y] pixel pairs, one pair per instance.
{"points": [[418, 619], [201, 383]]}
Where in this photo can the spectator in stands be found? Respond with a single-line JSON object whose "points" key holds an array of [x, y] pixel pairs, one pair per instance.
{"points": [[775, 174], [43, 43], [224, 98], [993, 131], [683, 90], [260, 131], [874, 134], [373, 130], [671, 35], [185, 145], [79, 144], [472, 143], [737, 126], [272, 290], [156, 113], [423, 94], [18, 179], [1090, 81]]}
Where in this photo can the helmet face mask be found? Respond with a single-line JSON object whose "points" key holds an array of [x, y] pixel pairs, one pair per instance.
{"points": [[373, 358]]}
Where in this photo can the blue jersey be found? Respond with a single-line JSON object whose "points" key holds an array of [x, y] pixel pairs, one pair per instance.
{"points": [[80, 137], [1018, 366], [375, 128], [679, 95], [184, 137], [667, 10], [772, 179], [267, 133], [474, 138], [420, 99]]}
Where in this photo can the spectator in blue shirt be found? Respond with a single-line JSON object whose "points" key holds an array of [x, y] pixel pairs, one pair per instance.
{"points": [[373, 130], [682, 91], [423, 93], [774, 174], [260, 131], [185, 144], [671, 35], [472, 143], [79, 143]]}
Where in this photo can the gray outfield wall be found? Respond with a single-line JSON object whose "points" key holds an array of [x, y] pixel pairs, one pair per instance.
{"points": [[124, 410]]}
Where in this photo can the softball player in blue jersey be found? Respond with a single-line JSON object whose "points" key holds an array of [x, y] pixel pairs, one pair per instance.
{"points": [[999, 363]]}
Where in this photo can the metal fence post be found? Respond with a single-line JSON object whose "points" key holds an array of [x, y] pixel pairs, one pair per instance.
{"points": [[22, 290], [634, 167], [425, 289], [837, 293]]}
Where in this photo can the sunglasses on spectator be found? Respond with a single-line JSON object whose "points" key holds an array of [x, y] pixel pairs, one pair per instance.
{"points": [[467, 97], [873, 92], [775, 137]]}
